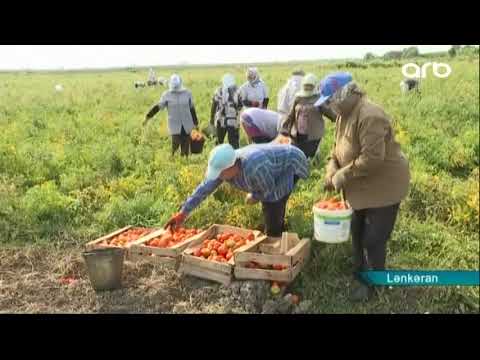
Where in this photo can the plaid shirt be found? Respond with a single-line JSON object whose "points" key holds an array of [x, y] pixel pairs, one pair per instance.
{"points": [[267, 171]]}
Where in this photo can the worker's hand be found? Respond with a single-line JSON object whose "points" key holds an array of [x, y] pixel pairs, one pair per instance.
{"points": [[339, 179], [328, 185], [250, 200], [282, 139], [316, 158], [176, 220], [255, 104], [145, 121]]}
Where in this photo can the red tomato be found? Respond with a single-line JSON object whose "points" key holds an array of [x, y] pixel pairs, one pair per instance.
{"points": [[206, 252], [295, 299], [197, 252], [222, 250], [331, 207], [237, 238], [240, 243]]}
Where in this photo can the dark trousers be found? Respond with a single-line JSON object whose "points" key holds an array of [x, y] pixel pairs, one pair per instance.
{"points": [[261, 140], [309, 148], [371, 229], [183, 141], [233, 135], [274, 215]]}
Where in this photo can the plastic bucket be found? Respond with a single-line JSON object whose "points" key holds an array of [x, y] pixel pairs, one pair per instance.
{"points": [[332, 226], [105, 267], [196, 147]]}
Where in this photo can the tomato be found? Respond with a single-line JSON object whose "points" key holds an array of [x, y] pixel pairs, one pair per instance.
{"points": [[206, 252], [167, 237], [277, 267], [237, 238], [197, 252], [224, 236], [250, 236], [239, 244], [229, 255], [163, 242], [275, 289], [295, 299], [331, 207], [230, 243], [322, 205], [223, 250], [205, 242]]}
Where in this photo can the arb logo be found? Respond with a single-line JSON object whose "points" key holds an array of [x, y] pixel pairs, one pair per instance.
{"points": [[421, 72]]}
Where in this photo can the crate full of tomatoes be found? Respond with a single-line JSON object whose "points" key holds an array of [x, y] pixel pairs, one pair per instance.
{"points": [[165, 246], [276, 259], [121, 238], [213, 257]]}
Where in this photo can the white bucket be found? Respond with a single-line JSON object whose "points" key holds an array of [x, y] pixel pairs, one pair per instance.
{"points": [[332, 226]]}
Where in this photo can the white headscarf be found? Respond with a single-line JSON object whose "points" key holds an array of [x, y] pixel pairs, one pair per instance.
{"points": [[253, 72], [175, 83], [228, 82]]}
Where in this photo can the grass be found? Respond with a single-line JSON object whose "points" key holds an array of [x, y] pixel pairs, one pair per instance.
{"points": [[76, 164]]}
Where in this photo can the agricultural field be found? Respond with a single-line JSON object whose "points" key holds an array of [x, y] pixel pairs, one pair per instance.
{"points": [[77, 164]]}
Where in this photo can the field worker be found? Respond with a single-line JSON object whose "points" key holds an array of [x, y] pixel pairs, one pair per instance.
{"points": [[224, 113], [268, 173], [254, 93], [368, 165], [260, 125], [152, 78], [182, 118], [408, 85], [304, 123], [287, 93]]}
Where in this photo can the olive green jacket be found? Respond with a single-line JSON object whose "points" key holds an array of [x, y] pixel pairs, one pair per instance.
{"points": [[377, 172], [316, 123]]}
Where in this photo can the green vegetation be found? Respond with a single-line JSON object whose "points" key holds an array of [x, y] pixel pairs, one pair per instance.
{"points": [[76, 164]]}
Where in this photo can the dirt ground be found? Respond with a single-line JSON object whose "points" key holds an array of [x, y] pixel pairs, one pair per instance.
{"points": [[30, 282]]}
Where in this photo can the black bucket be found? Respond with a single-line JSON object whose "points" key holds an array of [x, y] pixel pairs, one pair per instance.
{"points": [[196, 147]]}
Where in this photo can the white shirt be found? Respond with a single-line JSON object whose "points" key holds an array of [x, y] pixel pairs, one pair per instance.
{"points": [[267, 121], [258, 93], [286, 95]]}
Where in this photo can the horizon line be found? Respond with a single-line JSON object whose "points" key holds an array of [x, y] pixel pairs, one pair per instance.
{"points": [[186, 64]]}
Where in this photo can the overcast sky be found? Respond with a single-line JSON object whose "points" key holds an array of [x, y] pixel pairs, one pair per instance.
{"points": [[102, 56]]}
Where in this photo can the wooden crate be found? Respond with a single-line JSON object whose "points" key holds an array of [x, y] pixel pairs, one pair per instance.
{"points": [[95, 243], [288, 251], [212, 270], [162, 256]]}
